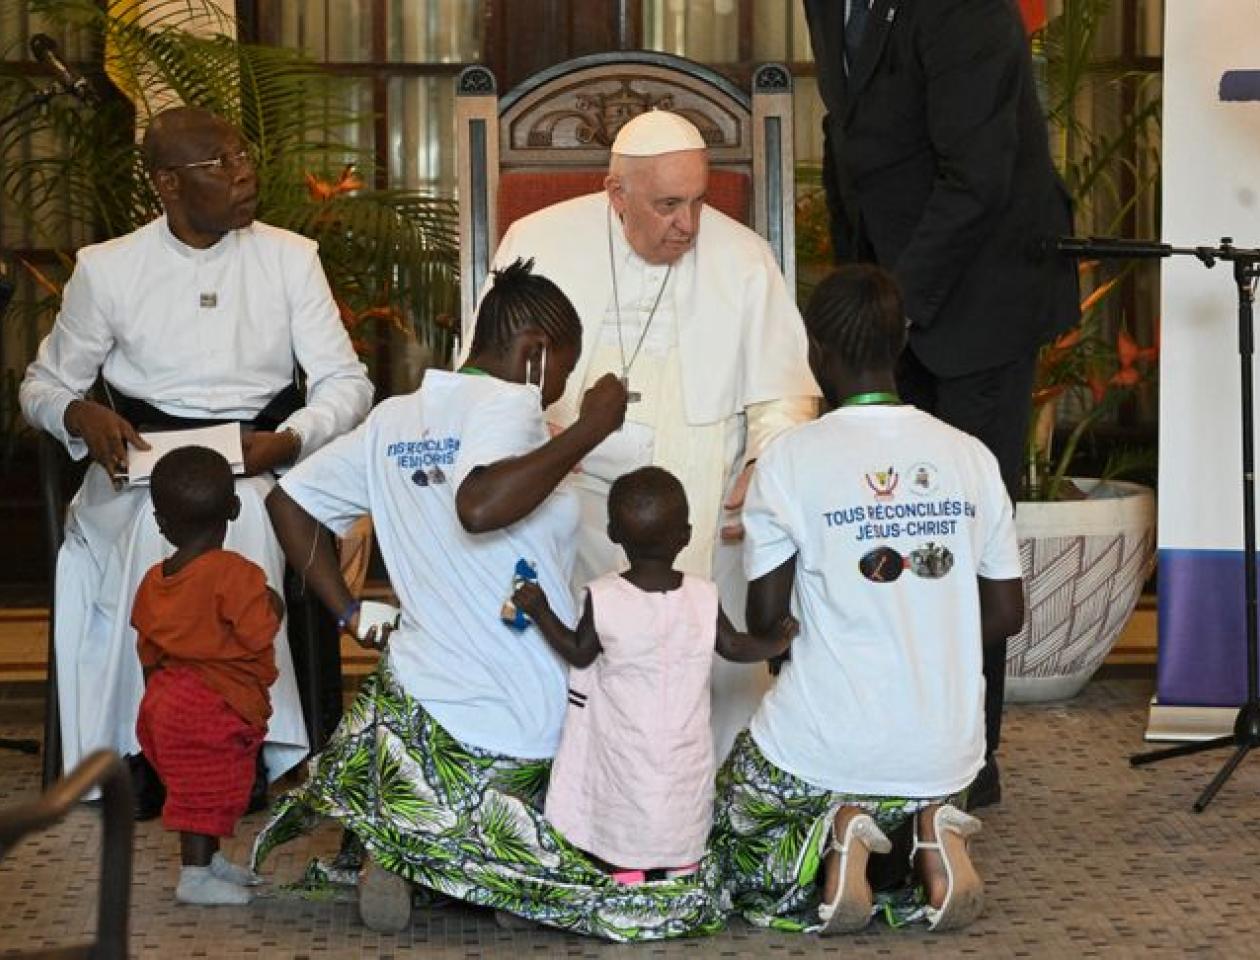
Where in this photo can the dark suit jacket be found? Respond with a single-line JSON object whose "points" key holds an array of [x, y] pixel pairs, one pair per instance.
{"points": [[942, 173]]}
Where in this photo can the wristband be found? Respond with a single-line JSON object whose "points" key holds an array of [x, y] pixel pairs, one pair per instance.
{"points": [[347, 615]]}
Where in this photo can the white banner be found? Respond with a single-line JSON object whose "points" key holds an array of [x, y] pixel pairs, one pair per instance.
{"points": [[1211, 170]]}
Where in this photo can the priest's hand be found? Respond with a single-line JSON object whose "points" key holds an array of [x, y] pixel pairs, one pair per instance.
{"points": [[105, 433], [733, 532], [265, 451], [604, 405]]}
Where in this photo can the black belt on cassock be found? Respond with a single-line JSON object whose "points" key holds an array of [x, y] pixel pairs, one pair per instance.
{"points": [[145, 417]]}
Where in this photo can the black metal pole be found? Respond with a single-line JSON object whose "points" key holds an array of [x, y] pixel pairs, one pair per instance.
{"points": [[1244, 277], [1246, 735]]}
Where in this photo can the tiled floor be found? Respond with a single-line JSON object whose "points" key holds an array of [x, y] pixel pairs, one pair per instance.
{"points": [[1084, 858]]}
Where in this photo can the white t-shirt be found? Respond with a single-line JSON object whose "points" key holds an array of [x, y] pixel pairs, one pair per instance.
{"points": [[489, 685], [891, 515]]}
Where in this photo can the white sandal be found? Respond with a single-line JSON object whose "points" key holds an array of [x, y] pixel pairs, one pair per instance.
{"points": [[854, 903], [964, 890]]}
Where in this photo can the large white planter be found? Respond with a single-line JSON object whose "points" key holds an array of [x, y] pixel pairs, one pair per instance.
{"points": [[1084, 565]]}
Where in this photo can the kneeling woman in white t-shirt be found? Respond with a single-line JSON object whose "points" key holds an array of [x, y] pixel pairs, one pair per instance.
{"points": [[891, 535], [440, 765]]}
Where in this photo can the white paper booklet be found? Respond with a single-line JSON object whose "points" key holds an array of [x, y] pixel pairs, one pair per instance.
{"points": [[223, 437]]}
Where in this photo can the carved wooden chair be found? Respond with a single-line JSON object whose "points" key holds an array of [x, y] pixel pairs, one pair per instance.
{"points": [[548, 140]]}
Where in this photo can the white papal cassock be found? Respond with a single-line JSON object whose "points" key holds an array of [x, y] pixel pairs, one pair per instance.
{"points": [[722, 370], [200, 334]]}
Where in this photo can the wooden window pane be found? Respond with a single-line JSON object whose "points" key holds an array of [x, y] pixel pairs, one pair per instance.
{"points": [[434, 31], [703, 30], [421, 118], [337, 31]]}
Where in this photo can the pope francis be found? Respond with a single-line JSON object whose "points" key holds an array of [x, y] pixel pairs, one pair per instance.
{"points": [[689, 307]]}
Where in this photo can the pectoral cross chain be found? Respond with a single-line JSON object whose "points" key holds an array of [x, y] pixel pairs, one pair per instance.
{"points": [[632, 396]]}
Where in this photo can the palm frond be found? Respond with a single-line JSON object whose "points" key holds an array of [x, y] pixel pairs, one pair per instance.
{"points": [[387, 253]]}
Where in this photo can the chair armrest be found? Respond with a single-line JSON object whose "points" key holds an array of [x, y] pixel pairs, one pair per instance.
{"points": [[106, 770]]}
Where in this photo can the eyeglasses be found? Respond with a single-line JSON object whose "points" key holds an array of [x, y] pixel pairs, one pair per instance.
{"points": [[229, 161]]}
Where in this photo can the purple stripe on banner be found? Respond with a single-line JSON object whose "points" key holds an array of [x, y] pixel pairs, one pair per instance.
{"points": [[1202, 628], [1240, 85]]}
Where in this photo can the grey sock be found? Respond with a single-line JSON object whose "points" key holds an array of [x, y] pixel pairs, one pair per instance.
{"points": [[225, 869], [198, 885]]}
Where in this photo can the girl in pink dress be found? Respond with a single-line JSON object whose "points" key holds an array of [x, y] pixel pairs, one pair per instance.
{"points": [[632, 783]]}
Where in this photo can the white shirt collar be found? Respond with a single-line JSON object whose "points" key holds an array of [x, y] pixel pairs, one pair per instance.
{"points": [[225, 245]]}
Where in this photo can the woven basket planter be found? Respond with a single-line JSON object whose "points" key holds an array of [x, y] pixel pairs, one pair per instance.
{"points": [[1084, 565]]}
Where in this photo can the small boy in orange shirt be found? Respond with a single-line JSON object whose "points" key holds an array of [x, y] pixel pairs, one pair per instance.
{"points": [[206, 622]]}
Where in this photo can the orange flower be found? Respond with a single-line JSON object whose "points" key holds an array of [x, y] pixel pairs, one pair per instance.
{"points": [[1127, 350], [1061, 347], [1099, 292], [1126, 377], [39, 277], [352, 319], [1043, 396], [323, 191]]}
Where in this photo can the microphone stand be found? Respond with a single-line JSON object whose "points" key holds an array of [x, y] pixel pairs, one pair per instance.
{"points": [[38, 99], [35, 101], [1246, 735]]}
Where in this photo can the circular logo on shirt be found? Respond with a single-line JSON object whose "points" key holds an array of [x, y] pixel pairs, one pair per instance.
{"points": [[882, 565], [931, 561], [420, 478], [923, 478]]}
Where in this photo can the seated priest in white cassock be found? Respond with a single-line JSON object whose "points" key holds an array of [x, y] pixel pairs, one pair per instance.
{"points": [[691, 309], [200, 316]]}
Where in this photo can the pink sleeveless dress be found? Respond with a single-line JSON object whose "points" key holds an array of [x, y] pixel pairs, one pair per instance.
{"points": [[632, 782]]}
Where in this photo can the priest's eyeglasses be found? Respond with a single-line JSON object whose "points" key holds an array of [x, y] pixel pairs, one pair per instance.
{"points": [[242, 159]]}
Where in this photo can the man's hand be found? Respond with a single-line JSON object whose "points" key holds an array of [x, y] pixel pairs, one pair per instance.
{"points": [[265, 451], [105, 433], [377, 637], [530, 598], [604, 405], [786, 629], [734, 532]]}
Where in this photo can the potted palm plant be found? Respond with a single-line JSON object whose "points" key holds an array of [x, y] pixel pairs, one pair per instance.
{"points": [[1087, 544], [75, 176]]}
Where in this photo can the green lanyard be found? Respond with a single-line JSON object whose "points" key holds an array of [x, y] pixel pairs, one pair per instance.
{"points": [[870, 399], [474, 371]]}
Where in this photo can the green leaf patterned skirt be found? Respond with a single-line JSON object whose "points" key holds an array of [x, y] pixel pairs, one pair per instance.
{"points": [[771, 830], [468, 823]]}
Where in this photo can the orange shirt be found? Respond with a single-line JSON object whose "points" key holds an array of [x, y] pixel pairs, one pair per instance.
{"points": [[214, 616]]}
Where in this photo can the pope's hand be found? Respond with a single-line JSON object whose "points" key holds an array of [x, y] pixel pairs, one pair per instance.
{"points": [[105, 433], [734, 532], [604, 405]]}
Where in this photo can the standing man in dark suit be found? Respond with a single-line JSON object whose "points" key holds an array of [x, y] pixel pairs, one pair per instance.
{"points": [[938, 168]]}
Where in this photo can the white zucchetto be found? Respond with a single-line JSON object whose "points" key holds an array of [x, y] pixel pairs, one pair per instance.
{"points": [[655, 132]]}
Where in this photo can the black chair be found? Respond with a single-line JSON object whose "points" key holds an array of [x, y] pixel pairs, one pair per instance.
{"points": [[106, 770], [313, 639]]}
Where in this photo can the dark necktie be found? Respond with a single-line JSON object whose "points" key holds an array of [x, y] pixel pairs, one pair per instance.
{"points": [[854, 29]]}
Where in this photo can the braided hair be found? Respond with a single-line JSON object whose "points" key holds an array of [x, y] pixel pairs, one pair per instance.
{"points": [[520, 299], [856, 314]]}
